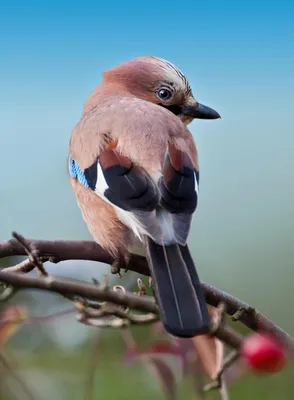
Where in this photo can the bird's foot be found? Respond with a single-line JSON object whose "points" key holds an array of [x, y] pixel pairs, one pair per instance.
{"points": [[120, 263]]}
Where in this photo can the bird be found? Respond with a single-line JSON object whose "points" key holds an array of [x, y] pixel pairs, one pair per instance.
{"points": [[133, 166]]}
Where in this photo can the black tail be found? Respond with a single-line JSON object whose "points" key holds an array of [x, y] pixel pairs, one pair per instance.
{"points": [[177, 287]]}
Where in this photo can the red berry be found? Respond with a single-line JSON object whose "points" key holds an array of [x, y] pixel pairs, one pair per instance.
{"points": [[263, 353]]}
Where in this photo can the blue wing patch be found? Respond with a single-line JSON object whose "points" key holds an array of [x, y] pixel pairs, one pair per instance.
{"points": [[76, 172], [127, 188]]}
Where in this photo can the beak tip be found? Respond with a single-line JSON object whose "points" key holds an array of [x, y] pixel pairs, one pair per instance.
{"points": [[214, 114], [204, 112]]}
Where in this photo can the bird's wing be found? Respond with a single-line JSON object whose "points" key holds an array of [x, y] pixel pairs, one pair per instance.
{"points": [[179, 191], [117, 151]]}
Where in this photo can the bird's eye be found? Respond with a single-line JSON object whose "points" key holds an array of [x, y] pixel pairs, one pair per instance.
{"points": [[164, 94]]}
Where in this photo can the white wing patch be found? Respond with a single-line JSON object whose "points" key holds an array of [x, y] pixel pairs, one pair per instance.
{"points": [[101, 184], [196, 184], [126, 217]]}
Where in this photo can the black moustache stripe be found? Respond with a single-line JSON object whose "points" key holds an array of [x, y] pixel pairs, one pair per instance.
{"points": [[175, 109]]}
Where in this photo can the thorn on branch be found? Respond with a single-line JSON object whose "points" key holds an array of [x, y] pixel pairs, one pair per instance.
{"points": [[151, 285], [242, 311], [142, 288], [95, 281]]}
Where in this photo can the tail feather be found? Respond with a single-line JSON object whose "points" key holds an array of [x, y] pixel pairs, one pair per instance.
{"points": [[181, 301], [195, 280]]}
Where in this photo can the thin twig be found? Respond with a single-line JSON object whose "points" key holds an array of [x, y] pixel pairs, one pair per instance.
{"points": [[109, 309], [36, 320], [217, 382], [8, 293], [24, 266], [91, 370], [32, 252], [15, 376], [223, 391]]}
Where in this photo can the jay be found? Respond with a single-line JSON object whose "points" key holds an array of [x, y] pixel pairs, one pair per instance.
{"points": [[133, 167]]}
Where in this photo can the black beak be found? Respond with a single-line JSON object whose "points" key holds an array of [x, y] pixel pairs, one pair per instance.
{"points": [[200, 111]]}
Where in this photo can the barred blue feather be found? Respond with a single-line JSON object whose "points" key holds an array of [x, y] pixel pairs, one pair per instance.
{"points": [[76, 172]]}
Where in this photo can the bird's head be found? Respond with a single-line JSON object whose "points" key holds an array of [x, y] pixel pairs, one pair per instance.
{"points": [[160, 82]]}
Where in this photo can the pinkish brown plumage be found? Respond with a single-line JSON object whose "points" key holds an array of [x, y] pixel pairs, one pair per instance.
{"points": [[147, 130], [131, 134]]}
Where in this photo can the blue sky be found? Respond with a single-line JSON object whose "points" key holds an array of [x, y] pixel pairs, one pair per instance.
{"points": [[239, 59]]}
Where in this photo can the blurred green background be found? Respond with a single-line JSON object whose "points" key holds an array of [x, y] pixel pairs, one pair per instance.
{"points": [[239, 60]]}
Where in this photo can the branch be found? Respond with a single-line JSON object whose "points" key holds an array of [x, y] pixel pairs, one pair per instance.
{"points": [[58, 250], [94, 292], [61, 250], [72, 287]]}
